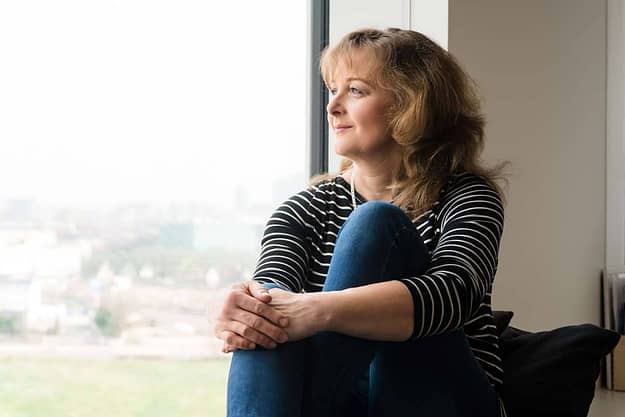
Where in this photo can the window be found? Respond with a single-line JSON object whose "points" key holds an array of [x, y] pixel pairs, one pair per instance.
{"points": [[144, 146]]}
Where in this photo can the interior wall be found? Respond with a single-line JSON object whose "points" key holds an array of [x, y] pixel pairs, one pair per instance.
{"points": [[541, 69], [615, 137]]}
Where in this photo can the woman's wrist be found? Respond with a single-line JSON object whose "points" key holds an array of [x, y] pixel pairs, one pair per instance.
{"points": [[323, 308]]}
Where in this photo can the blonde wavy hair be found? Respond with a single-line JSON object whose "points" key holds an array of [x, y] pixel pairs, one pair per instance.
{"points": [[436, 115]]}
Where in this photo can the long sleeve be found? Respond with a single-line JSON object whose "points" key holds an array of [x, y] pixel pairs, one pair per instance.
{"points": [[461, 231], [464, 260], [283, 258]]}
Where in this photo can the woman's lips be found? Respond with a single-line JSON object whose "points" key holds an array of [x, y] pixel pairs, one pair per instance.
{"points": [[342, 129]]}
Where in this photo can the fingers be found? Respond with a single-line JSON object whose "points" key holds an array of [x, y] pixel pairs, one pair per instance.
{"points": [[257, 290], [246, 321], [227, 348], [233, 342], [252, 335], [263, 310], [254, 325]]}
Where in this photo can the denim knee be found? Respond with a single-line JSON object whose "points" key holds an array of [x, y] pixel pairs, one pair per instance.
{"points": [[374, 210], [374, 216]]}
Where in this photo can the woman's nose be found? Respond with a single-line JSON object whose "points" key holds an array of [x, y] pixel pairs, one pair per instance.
{"points": [[334, 106]]}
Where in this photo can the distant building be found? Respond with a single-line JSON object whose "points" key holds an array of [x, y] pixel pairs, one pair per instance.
{"points": [[212, 278], [18, 300], [147, 272], [19, 296], [37, 253]]}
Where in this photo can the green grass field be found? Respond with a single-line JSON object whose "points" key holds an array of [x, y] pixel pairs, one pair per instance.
{"points": [[112, 388]]}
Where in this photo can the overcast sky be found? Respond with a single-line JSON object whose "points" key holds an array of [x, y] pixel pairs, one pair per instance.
{"points": [[112, 101]]}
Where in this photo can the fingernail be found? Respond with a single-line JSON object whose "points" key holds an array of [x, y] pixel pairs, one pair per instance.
{"points": [[283, 321], [251, 345], [272, 345], [283, 338]]}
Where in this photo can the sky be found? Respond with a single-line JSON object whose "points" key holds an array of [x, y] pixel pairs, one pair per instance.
{"points": [[119, 101]]}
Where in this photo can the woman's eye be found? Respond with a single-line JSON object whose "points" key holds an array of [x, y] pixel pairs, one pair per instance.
{"points": [[352, 90]]}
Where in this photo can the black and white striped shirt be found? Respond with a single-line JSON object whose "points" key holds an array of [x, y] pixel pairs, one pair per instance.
{"points": [[462, 231]]}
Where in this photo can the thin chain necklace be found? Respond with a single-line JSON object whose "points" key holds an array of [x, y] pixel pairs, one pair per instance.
{"points": [[351, 183], [351, 186]]}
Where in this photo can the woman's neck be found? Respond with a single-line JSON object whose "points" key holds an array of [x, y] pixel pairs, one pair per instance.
{"points": [[371, 183], [374, 174]]}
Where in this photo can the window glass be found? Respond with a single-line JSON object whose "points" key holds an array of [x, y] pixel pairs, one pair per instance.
{"points": [[144, 144]]}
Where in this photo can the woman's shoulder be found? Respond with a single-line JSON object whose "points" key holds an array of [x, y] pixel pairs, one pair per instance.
{"points": [[469, 193], [465, 184], [332, 190]]}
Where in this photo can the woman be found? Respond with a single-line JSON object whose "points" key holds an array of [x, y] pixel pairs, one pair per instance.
{"points": [[372, 289]]}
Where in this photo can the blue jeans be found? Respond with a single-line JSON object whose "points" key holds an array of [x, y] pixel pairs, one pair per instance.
{"points": [[332, 374]]}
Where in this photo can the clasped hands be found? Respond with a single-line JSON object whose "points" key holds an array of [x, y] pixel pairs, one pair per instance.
{"points": [[254, 316]]}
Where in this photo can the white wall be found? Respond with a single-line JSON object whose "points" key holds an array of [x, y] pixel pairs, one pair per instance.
{"points": [[615, 152], [430, 17], [541, 67]]}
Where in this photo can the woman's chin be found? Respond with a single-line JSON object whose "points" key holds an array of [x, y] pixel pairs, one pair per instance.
{"points": [[341, 150]]}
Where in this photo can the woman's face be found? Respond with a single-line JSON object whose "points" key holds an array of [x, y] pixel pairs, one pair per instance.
{"points": [[358, 110]]}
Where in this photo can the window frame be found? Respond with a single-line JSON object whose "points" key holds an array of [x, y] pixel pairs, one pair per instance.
{"points": [[319, 24]]}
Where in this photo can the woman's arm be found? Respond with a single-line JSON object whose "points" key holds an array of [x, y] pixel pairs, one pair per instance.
{"points": [[463, 267], [246, 320], [283, 258], [382, 311]]}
